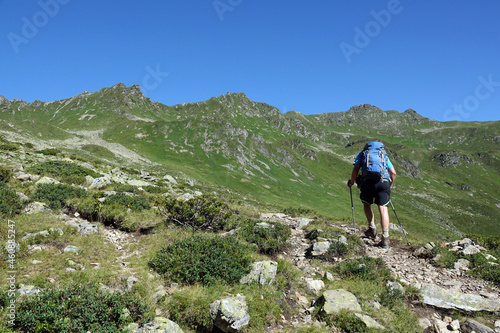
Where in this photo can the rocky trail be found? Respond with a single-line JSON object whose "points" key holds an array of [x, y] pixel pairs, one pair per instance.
{"points": [[404, 262]]}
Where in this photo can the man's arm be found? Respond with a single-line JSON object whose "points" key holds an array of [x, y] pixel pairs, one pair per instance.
{"points": [[392, 174], [354, 175]]}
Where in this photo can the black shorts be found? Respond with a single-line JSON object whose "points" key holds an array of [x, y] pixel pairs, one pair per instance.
{"points": [[378, 191]]}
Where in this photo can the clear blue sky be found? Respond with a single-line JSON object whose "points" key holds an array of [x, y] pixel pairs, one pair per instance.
{"points": [[440, 58]]}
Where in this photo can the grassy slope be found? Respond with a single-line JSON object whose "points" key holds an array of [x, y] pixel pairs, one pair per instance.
{"points": [[265, 156]]}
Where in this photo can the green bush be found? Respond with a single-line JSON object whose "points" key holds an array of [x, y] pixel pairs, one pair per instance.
{"points": [[79, 308], [482, 269], [199, 213], [445, 259], [364, 268], [8, 147], [5, 174], [56, 195], [10, 203], [134, 202], [392, 298], [490, 242], [301, 211], [68, 172], [202, 259], [49, 151], [270, 237], [345, 321]]}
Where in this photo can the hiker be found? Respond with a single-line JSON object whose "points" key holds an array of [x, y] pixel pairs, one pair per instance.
{"points": [[378, 175]]}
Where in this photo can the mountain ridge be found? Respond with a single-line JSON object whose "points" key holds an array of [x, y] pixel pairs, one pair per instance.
{"points": [[278, 158]]}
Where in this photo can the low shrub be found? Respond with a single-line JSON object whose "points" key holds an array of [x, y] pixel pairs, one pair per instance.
{"points": [[79, 308], [56, 195], [392, 297], [346, 321], [49, 151], [199, 213], [270, 237], [300, 211], [364, 268], [68, 172], [5, 174], [134, 202], [10, 203], [8, 147], [491, 242], [484, 268], [202, 259]]}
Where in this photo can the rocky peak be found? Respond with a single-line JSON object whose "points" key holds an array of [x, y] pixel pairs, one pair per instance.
{"points": [[4, 101]]}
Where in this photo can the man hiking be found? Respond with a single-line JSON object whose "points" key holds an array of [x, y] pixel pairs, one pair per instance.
{"points": [[378, 175]]}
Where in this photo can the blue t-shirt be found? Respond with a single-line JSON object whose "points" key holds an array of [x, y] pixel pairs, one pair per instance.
{"points": [[388, 164]]}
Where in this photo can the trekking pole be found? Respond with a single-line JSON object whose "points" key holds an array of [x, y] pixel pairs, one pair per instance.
{"points": [[352, 208], [404, 231]]}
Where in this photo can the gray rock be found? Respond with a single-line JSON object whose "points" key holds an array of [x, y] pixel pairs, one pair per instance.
{"points": [[302, 222], [449, 299], [314, 286], [158, 325], [71, 248], [28, 290], [47, 180], [100, 183], [84, 227], [320, 248], [395, 286], [424, 323], [470, 326], [36, 207], [230, 314], [263, 272], [131, 280], [462, 264], [336, 300], [470, 250], [89, 180], [170, 179], [369, 321], [138, 183]]}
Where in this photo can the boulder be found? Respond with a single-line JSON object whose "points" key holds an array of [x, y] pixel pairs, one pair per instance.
{"points": [[470, 325], [369, 322], [71, 248], [314, 286], [100, 183], [36, 207], [449, 299], [170, 179], [336, 300], [47, 180], [230, 314], [263, 272], [158, 325], [84, 227], [28, 290], [320, 248]]}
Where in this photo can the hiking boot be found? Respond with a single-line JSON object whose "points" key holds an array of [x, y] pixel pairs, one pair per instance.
{"points": [[384, 243], [371, 233]]}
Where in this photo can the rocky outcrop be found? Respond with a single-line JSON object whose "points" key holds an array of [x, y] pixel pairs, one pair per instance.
{"points": [[262, 272], [230, 314], [449, 299]]}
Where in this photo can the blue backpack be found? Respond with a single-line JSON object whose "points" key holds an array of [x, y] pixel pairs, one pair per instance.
{"points": [[373, 163]]}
